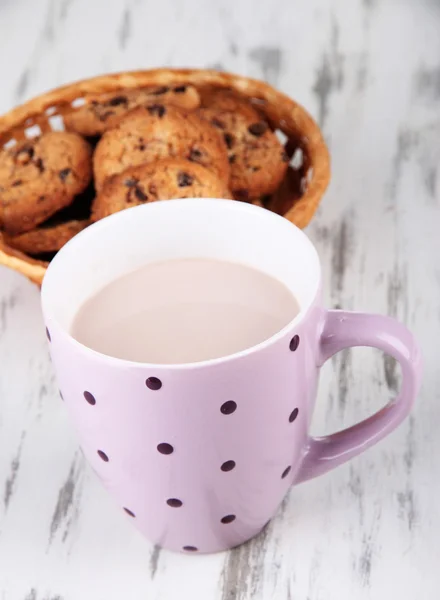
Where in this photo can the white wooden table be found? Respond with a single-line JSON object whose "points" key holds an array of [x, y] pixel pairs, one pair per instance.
{"points": [[370, 72]]}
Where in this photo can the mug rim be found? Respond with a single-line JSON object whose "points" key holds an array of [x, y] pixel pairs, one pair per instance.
{"points": [[160, 205]]}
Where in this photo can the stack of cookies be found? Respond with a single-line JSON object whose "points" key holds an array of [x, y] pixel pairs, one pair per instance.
{"points": [[131, 147]]}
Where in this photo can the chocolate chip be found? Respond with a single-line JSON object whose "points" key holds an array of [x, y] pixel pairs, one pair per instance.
{"points": [[229, 140], [141, 147], [157, 109], [232, 159], [17, 183], [39, 164], [25, 154], [140, 195], [131, 182], [217, 123], [63, 174], [41, 199], [242, 194], [161, 90], [117, 100], [258, 129], [285, 157], [195, 155], [180, 89], [106, 115], [184, 179]]}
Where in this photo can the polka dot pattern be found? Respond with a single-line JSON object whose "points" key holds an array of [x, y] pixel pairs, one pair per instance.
{"points": [[285, 472], [294, 343], [228, 407], [103, 455], [293, 415], [174, 502], [153, 383], [90, 398], [228, 465], [228, 519], [165, 448]]}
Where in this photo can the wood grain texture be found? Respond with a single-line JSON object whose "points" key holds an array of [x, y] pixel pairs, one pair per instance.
{"points": [[369, 71]]}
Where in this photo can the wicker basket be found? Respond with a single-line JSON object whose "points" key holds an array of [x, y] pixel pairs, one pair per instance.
{"points": [[299, 194]]}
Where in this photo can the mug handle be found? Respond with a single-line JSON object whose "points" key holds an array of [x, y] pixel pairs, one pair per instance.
{"points": [[349, 329]]}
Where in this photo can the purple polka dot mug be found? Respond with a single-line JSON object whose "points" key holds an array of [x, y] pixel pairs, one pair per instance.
{"points": [[200, 456]]}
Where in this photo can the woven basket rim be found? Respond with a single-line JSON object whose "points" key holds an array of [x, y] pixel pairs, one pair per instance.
{"points": [[290, 117]]}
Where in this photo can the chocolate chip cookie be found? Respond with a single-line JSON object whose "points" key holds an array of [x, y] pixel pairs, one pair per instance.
{"points": [[161, 180], [229, 101], [47, 238], [105, 111], [155, 132], [256, 156], [40, 176]]}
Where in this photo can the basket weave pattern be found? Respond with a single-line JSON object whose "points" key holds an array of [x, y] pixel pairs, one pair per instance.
{"points": [[300, 193]]}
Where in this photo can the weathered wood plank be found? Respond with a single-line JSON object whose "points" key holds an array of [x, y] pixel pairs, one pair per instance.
{"points": [[370, 72]]}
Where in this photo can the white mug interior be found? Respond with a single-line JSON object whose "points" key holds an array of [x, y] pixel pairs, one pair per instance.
{"points": [[175, 229]]}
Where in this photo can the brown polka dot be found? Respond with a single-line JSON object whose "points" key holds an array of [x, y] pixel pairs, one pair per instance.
{"points": [[285, 472], [90, 398], [228, 519], [293, 415], [165, 448], [228, 465], [153, 383], [190, 549], [129, 513], [48, 334], [174, 502], [228, 407], [103, 455], [294, 343]]}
